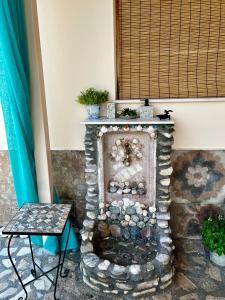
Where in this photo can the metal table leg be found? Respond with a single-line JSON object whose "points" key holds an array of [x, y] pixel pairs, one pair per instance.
{"points": [[60, 263], [59, 266], [66, 271], [15, 269], [33, 271]]}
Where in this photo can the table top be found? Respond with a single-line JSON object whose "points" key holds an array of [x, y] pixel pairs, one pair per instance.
{"points": [[39, 219]]}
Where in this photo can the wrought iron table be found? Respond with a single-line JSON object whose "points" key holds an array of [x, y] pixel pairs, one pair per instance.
{"points": [[40, 219]]}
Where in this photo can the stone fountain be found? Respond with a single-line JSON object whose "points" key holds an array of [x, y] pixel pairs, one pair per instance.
{"points": [[126, 244]]}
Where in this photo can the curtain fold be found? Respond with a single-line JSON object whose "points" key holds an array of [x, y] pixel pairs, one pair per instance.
{"points": [[15, 101]]}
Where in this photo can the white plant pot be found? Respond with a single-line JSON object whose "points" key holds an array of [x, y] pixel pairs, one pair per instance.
{"points": [[93, 111], [218, 260]]}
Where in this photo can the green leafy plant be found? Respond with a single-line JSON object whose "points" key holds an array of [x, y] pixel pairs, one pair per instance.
{"points": [[127, 112], [92, 96], [213, 234]]}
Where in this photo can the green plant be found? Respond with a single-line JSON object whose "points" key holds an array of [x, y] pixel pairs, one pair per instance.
{"points": [[127, 112], [92, 96], [213, 234]]}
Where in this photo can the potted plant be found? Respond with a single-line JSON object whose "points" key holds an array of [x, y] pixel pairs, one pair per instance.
{"points": [[92, 98], [213, 234], [128, 113]]}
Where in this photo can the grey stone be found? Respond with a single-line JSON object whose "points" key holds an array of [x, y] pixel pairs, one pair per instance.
{"points": [[93, 286], [89, 206], [88, 223], [166, 172], [130, 210], [141, 224], [135, 218], [118, 270], [167, 277], [115, 230], [163, 258], [114, 210], [165, 182], [91, 214], [164, 157], [103, 266], [163, 216], [88, 247], [143, 293], [163, 224], [91, 260], [112, 189], [147, 284], [95, 281], [124, 286], [135, 269], [126, 233]]}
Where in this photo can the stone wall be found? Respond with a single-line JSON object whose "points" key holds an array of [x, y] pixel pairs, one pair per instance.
{"points": [[198, 183]]}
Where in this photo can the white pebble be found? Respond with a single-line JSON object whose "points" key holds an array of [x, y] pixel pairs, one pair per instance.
{"points": [[152, 209], [127, 218], [145, 213], [132, 223]]}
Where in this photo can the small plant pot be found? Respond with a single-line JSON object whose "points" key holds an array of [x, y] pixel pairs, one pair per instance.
{"points": [[93, 111], [218, 260]]}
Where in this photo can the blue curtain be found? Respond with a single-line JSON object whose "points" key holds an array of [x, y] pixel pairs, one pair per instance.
{"points": [[15, 102]]}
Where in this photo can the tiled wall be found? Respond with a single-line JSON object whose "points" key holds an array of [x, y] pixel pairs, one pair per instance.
{"points": [[198, 189], [7, 194], [198, 184]]}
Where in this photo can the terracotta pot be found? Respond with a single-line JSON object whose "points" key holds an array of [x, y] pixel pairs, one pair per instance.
{"points": [[218, 260]]}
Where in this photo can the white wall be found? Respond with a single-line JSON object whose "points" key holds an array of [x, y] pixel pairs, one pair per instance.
{"points": [[78, 52], [3, 142], [77, 40]]}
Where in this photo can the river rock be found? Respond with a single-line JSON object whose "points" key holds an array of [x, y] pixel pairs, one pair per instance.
{"points": [[91, 260], [103, 228], [127, 218], [114, 210], [130, 210], [115, 230], [134, 232], [126, 233], [141, 224], [135, 218]]}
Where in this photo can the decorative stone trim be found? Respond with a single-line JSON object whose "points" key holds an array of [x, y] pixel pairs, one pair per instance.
{"points": [[135, 279]]}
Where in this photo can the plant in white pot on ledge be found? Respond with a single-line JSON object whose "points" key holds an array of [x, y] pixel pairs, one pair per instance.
{"points": [[93, 98], [213, 234]]}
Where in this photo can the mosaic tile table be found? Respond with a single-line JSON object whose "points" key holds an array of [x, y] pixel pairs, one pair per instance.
{"points": [[40, 219]]}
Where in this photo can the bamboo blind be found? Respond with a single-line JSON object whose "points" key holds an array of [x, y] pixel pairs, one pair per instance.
{"points": [[170, 48]]}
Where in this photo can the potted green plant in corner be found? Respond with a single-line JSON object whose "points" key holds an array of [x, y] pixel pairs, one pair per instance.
{"points": [[213, 234], [93, 98]]}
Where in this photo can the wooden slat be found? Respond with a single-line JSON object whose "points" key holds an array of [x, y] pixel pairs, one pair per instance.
{"points": [[170, 48]]}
